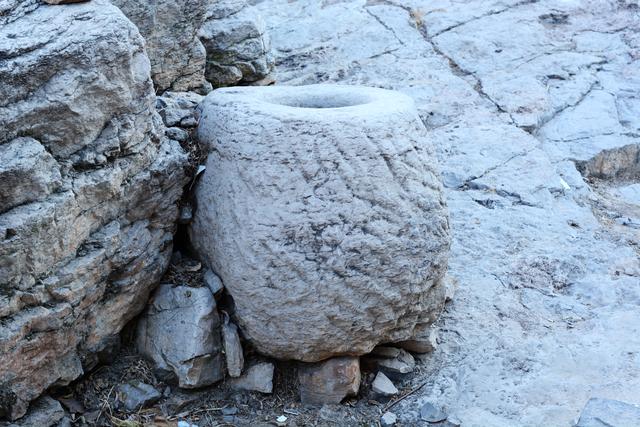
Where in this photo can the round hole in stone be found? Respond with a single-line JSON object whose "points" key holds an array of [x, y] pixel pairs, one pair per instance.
{"points": [[321, 100]]}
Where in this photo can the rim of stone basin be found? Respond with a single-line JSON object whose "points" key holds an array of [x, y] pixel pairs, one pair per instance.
{"points": [[319, 100]]}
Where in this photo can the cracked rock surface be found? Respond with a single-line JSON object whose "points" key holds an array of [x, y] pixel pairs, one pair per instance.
{"points": [[170, 29], [237, 44], [88, 190], [533, 108]]}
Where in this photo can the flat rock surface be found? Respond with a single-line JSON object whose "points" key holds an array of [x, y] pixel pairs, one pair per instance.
{"points": [[514, 94]]}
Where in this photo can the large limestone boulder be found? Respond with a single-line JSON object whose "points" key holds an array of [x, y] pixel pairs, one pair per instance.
{"points": [[322, 212], [237, 44], [170, 29], [89, 188]]}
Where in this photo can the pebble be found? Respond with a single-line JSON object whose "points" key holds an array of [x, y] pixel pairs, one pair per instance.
{"points": [[431, 414], [388, 419]]}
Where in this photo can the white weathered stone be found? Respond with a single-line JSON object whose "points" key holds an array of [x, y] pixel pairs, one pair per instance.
{"points": [[329, 381], [90, 221], [321, 210], [180, 332], [383, 386]]}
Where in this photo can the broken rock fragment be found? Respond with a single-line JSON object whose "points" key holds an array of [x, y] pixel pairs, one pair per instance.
{"points": [[329, 381], [383, 386], [180, 332], [258, 377], [136, 395], [232, 348]]}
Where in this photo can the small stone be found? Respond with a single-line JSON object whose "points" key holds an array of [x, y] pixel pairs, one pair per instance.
{"points": [[258, 377], [281, 421], [431, 414], [56, 2], [383, 386], [605, 412], [136, 395], [180, 332], [191, 265], [186, 214], [177, 134], [186, 424], [232, 348], [329, 381], [388, 419], [385, 351], [403, 364], [422, 343], [213, 282]]}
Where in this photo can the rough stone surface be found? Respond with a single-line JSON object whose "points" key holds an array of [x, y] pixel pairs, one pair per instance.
{"points": [[424, 342], [213, 282], [321, 210], [180, 332], [605, 412], [43, 412], [238, 47], [170, 29], [89, 233], [232, 348], [178, 108], [401, 364], [137, 395], [329, 381], [258, 377], [383, 386], [548, 303]]}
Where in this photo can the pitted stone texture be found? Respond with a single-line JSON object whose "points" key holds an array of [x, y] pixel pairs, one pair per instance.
{"points": [[237, 44], [87, 229], [321, 210], [180, 332], [170, 29]]}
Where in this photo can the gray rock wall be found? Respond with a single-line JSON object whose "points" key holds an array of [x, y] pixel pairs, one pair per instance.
{"points": [[170, 30], [89, 185]]}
